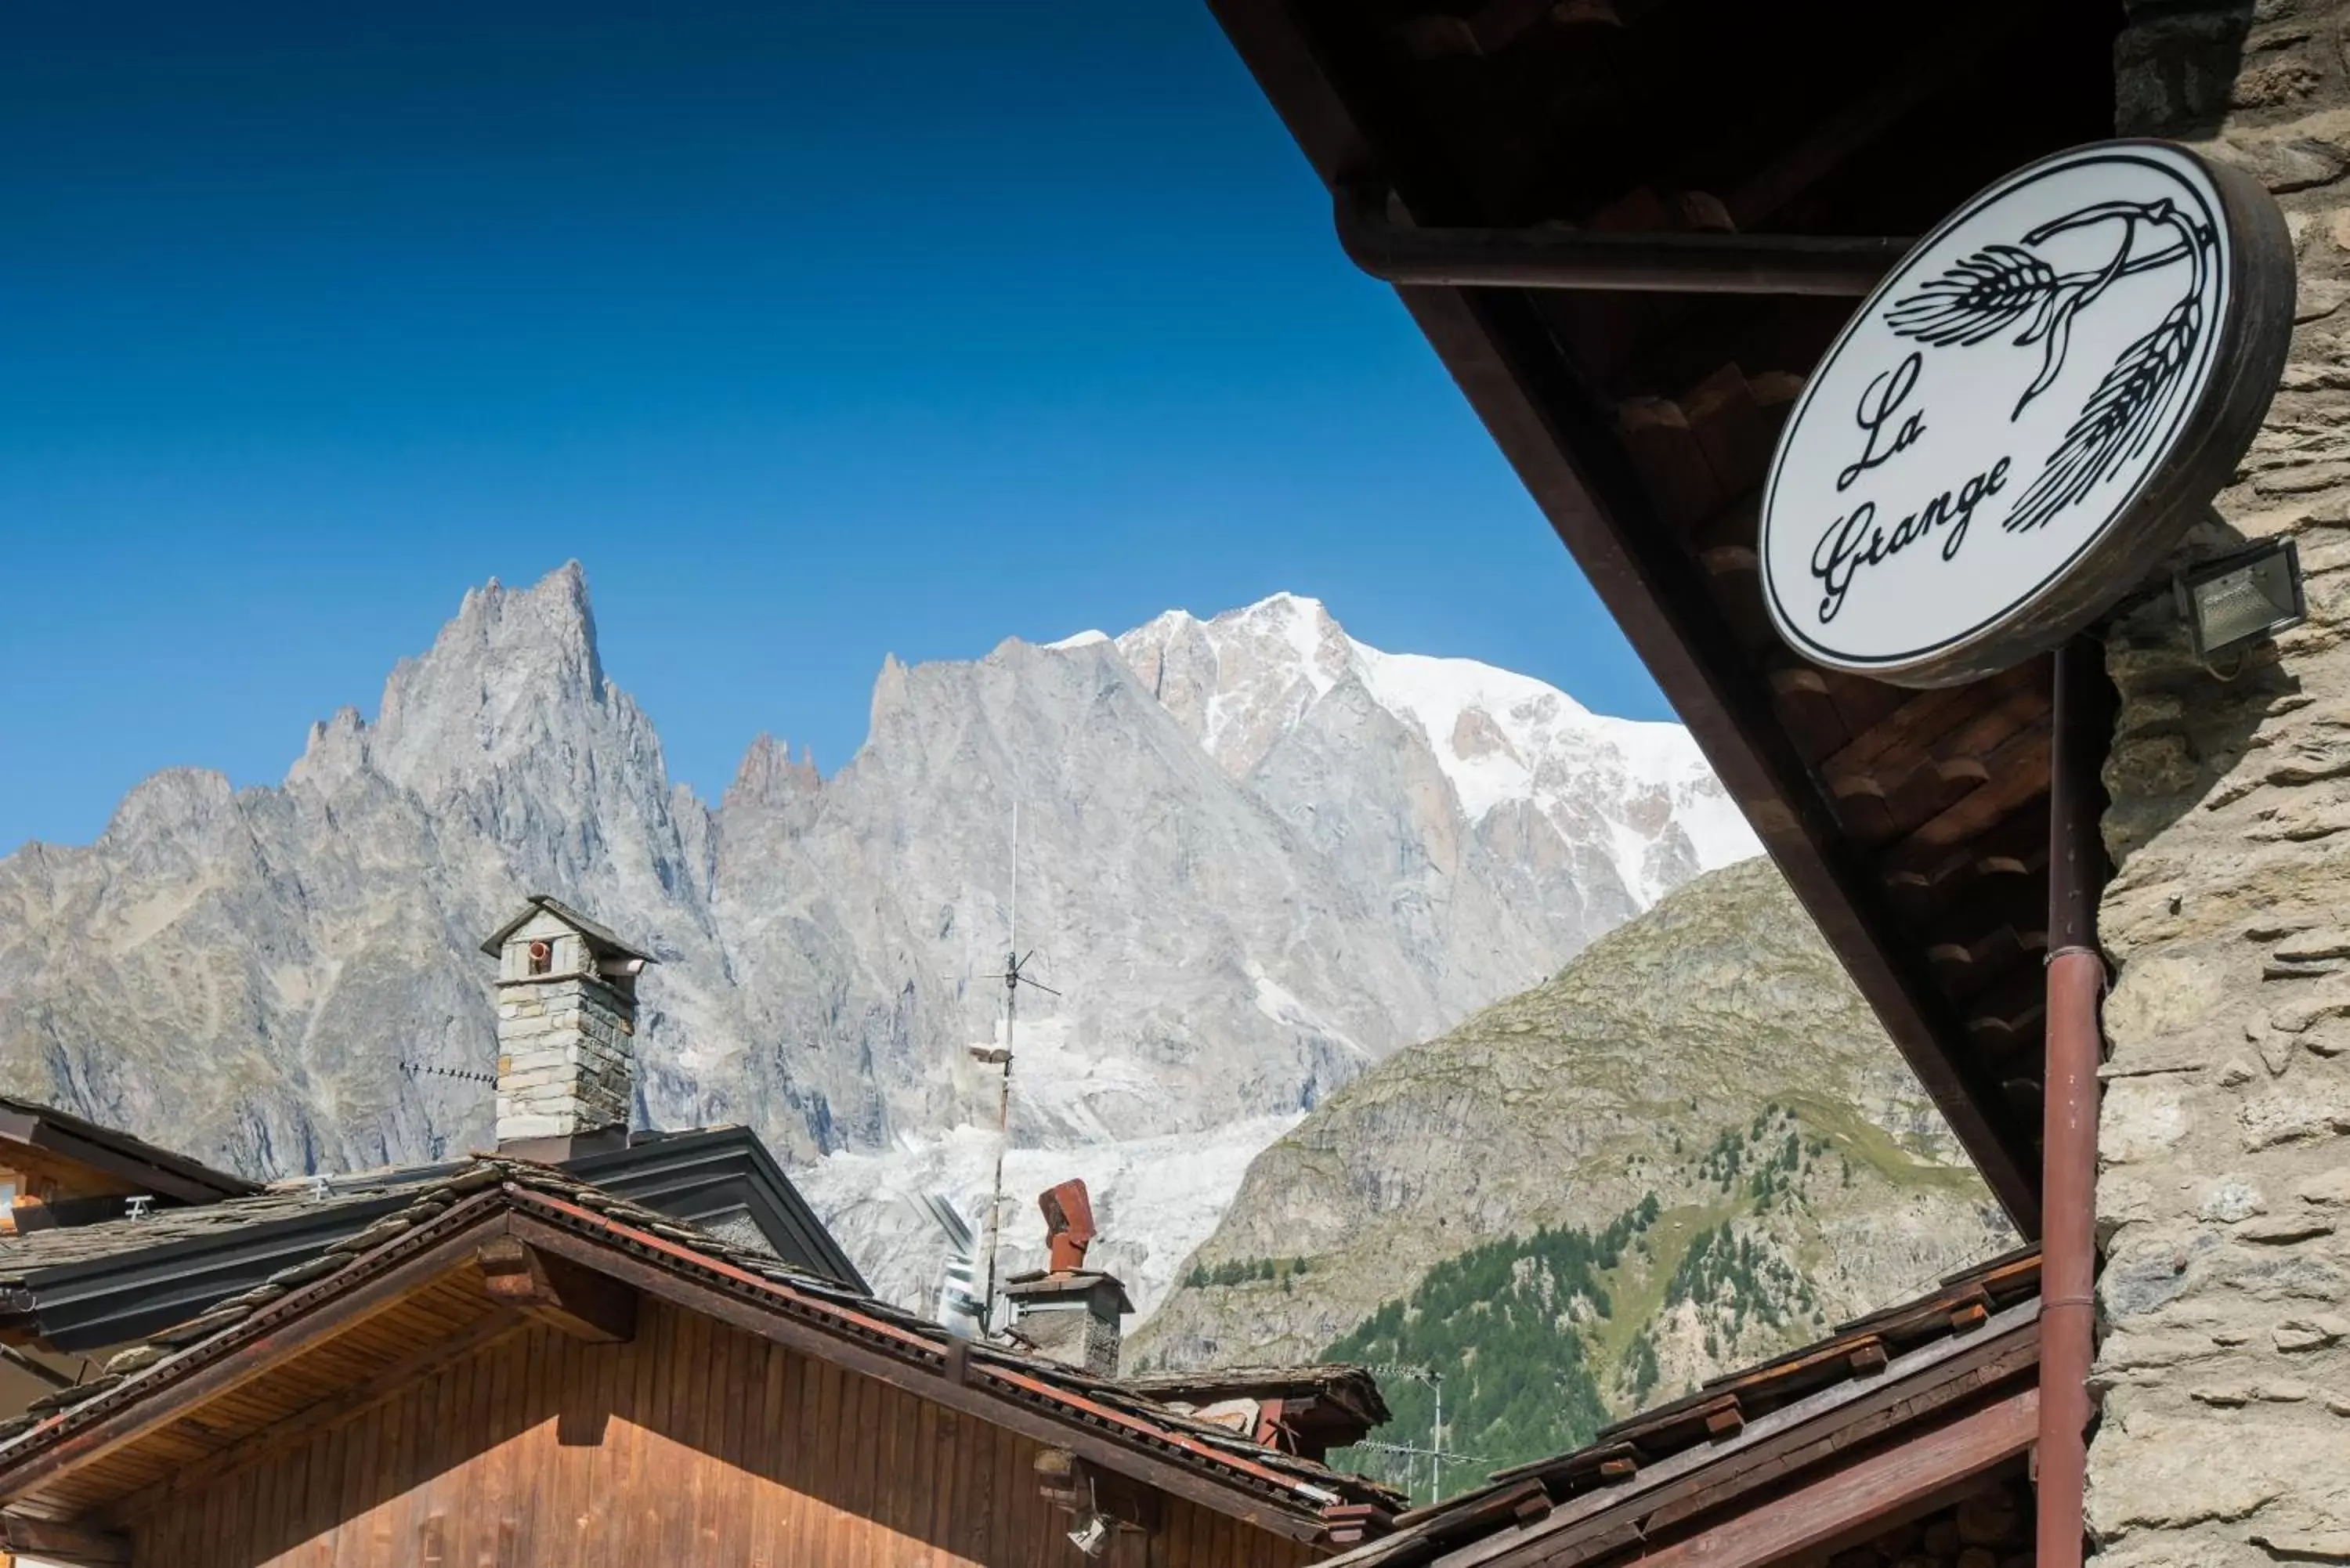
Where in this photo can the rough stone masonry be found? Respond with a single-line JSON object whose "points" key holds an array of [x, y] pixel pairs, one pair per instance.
{"points": [[2224, 1195], [565, 1052]]}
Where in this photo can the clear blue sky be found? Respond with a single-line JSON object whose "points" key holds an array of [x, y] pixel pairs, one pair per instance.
{"points": [[814, 332]]}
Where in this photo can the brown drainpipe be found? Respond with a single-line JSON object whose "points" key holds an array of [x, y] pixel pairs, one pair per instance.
{"points": [[2083, 723]]}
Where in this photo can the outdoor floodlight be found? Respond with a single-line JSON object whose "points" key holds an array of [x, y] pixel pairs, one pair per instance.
{"points": [[1092, 1535], [2241, 598]]}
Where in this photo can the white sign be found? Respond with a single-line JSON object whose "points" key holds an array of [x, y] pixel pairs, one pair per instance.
{"points": [[1995, 419]]}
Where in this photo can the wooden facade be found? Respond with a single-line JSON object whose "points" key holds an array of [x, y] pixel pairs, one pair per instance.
{"points": [[693, 1443]]}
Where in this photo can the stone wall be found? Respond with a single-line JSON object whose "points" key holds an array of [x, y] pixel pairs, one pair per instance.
{"points": [[1078, 1329], [2224, 1196], [566, 1061]]}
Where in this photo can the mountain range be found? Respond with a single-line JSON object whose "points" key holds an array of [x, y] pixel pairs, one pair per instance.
{"points": [[1254, 858]]}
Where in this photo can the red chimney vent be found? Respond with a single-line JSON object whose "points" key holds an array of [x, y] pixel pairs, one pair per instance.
{"points": [[1068, 1225]]}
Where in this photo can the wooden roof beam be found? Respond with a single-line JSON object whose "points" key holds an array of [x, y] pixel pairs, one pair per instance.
{"points": [[66, 1544], [579, 1302], [1925, 1472], [1600, 261]]}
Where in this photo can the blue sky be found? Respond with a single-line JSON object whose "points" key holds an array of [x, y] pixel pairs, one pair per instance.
{"points": [[815, 333]]}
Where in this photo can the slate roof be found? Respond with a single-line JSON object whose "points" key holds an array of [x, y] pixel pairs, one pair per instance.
{"points": [[87, 1286], [33, 1252], [452, 1200], [602, 940]]}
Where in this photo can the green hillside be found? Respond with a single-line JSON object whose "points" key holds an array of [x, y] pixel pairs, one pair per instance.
{"points": [[1692, 1148]]}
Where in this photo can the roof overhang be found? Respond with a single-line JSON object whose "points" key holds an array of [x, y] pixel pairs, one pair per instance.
{"points": [[1912, 826], [145, 1167]]}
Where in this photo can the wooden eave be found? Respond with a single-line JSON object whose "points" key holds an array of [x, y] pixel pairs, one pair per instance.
{"points": [[1857, 1454], [1911, 825]]}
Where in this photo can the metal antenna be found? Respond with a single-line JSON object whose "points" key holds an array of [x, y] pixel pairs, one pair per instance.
{"points": [[1434, 1380], [1015, 976]]}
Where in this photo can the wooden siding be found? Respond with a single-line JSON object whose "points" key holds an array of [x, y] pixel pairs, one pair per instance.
{"points": [[695, 1443]]}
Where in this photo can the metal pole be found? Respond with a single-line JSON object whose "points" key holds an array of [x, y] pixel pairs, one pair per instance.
{"points": [[1832, 265], [1002, 1137], [1003, 1095], [1436, 1442], [2083, 723]]}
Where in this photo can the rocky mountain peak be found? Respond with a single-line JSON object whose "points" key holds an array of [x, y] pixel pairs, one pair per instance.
{"points": [[517, 668], [1506, 744], [1236, 683], [175, 803], [769, 779]]}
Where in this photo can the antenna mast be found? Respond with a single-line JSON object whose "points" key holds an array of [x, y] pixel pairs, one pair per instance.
{"points": [[1434, 1379], [1015, 977]]}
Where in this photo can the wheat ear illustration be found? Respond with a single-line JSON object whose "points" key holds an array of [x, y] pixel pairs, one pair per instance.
{"points": [[1978, 298], [1983, 295]]}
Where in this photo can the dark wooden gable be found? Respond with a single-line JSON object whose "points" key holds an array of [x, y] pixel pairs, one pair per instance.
{"points": [[1913, 825]]}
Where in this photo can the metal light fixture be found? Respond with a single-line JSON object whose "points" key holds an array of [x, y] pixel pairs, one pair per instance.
{"points": [[2241, 598], [1093, 1531], [1092, 1535]]}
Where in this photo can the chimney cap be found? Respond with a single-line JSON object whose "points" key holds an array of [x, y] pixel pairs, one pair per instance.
{"points": [[1072, 1285], [601, 941], [1068, 1224]]}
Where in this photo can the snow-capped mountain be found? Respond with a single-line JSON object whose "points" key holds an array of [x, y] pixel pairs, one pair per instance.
{"points": [[1503, 739], [1254, 857], [1498, 824]]}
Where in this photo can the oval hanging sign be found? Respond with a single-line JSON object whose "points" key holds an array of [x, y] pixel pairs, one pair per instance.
{"points": [[2027, 414]]}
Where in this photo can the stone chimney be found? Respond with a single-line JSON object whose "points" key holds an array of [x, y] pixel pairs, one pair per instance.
{"points": [[1068, 1312], [566, 995]]}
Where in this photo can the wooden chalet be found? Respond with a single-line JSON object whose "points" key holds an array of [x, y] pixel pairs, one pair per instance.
{"points": [[596, 1344], [515, 1367]]}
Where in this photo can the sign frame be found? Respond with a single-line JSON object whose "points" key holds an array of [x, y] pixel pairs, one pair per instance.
{"points": [[2252, 336]]}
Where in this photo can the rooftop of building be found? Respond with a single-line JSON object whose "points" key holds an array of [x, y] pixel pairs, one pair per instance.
{"points": [[39, 1446]]}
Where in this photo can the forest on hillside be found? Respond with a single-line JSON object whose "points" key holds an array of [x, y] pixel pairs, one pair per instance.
{"points": [[1537, 1341]]}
